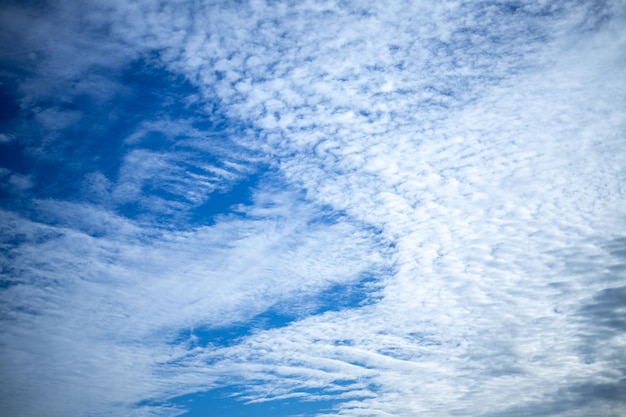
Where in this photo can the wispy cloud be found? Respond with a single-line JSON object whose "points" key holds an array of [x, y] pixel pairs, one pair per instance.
{"points": [[468, 155], [118, 302]]}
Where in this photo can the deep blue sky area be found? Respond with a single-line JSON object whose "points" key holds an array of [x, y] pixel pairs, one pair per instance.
{"points": [[312, 209], [222, 403], [57, 161]]}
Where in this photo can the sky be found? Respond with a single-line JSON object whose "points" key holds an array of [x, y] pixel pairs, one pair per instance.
{"points": [[312, 208]]}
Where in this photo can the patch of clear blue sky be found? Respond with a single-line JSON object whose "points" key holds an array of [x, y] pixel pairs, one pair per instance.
{"points": [[225, 402]]}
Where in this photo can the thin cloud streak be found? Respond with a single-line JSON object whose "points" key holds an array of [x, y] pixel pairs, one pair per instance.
{"points": [[119, 301]]}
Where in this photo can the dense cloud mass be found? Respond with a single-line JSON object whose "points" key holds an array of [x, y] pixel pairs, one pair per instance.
{"points": [[328, 207]]}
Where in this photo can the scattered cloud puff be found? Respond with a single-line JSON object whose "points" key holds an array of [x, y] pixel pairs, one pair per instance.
{"points": [[467, 155]]}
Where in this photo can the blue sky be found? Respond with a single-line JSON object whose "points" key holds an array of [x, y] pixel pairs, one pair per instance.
{"points": [[312, 208]]}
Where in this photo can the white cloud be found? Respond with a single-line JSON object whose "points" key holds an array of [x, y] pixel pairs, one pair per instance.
{"points": [[482, 201], [20, 182], [484, 142], [87, 311]]}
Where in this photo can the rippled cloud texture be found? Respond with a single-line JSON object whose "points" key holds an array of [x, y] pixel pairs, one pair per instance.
{"points": [[322, 208]]}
